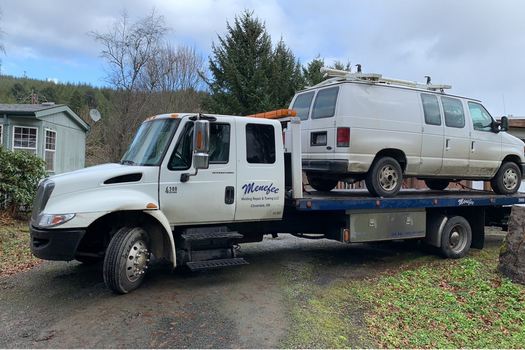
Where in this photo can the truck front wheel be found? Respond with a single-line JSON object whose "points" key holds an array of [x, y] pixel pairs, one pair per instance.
{"points": [[127, 258]]}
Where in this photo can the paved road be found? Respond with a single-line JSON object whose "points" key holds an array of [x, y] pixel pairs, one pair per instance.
{"points": [[62, 304]]}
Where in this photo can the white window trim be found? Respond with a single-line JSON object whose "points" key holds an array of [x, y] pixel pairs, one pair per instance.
{"points": [[13, 139], [50, 150], [1, 134]]}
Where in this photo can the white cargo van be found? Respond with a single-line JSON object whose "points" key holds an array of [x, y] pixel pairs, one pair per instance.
{"points": [[359, 126]]}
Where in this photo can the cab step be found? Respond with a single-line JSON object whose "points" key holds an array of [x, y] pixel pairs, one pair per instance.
{"points": [[203, 236], [215, 264]]}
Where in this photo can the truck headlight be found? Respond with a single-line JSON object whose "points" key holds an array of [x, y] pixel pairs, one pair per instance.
{"points": [[50, 220]]}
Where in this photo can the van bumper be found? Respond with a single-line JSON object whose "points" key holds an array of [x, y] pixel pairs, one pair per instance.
{"points": [[59, 244], [326, 166]]}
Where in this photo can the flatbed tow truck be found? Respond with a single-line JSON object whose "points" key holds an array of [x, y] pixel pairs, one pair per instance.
{"points": [[191, 187]]}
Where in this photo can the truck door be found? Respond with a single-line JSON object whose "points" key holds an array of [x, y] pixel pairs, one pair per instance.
{"points": [[207, 197], [457, 139], [260, 172], [433, 139], [321, 141], [485, 145]]}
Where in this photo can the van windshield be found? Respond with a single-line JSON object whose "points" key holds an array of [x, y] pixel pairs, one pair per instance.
{"points": [[150, 142]]}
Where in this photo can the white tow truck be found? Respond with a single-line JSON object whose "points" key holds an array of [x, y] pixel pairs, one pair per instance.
{"points": [[192, 186]]}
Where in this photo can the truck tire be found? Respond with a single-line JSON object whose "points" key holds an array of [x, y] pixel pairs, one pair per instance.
{"points": [[321, 184], [126, 260], [437, 184], [456, 238], [508, 179], [384, 178]]}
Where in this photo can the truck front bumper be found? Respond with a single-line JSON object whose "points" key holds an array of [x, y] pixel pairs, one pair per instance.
{"points": [[58, 244]]}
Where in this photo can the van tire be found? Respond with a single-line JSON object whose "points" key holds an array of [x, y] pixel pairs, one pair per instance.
{"points": [[437, 184], [321, 184], [128, 246], [507, 180], [384, 178], [456, 238]]}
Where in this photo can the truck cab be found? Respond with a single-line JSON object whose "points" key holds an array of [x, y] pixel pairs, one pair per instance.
{"points": [[180, 171]]}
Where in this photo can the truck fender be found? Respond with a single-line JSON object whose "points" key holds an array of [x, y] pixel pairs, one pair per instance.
{"points": [[435, 225], [163, 221]]}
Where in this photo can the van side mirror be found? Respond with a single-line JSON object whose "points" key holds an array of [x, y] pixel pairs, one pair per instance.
{"points": [[201, 148], [504, 124]]}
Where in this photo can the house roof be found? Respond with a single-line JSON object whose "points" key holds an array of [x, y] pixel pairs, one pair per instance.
{"points": [[41, 110]]}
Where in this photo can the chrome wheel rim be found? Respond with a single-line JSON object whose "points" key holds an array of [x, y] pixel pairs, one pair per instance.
{"points": [[457, 238], [137, 261], [510, 179], [388, 178]]}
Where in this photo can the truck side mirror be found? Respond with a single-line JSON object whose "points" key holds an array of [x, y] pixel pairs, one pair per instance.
{"points": [[504, 123], [201, 147]]}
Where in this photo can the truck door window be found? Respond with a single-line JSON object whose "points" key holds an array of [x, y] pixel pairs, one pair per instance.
{"points": [[431, 109], [260, 143], [219, 146], [302, 104], [324, 105], [454, 114], [481, 119]]}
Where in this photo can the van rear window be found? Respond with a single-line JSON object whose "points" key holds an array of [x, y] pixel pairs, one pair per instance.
{"points": [[324, 105], [431, 109], [454, 114], [302, 104]]}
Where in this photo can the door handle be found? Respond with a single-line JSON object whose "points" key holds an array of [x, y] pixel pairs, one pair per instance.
{"points": [[472, 146], [447, 144], [229, 195]]}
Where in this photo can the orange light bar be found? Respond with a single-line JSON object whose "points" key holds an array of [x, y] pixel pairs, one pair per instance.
{"points": [[278, 113]]}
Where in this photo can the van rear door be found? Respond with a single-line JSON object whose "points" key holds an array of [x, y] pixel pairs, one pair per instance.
{"points": [[321, 141], [457, 139]]}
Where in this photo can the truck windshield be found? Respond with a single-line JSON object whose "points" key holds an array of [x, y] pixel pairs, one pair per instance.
{"points": [[150, 142]]}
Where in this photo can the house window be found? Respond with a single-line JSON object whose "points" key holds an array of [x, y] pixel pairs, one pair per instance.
{"points": [[50, 149], [25, 139]]}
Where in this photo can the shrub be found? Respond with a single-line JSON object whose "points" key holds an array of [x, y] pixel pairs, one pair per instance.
{"points": [[20, 173]]}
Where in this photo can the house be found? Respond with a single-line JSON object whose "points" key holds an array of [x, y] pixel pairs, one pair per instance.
{"points": [[52, 132]]}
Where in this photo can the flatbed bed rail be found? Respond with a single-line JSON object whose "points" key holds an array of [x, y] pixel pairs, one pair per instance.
{"points": [[359, 199]]}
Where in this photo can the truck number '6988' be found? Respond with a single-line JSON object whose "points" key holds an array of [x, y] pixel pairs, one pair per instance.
{"points": [[171, 189]]}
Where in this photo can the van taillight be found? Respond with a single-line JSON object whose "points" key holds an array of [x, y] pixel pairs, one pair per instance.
{"points": [[343, 137]]}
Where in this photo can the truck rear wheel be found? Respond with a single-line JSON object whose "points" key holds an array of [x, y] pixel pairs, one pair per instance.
{"points": [[127, 259], [456, 238], [321, 184], [437, 184], [507, 179], [384, 178]]}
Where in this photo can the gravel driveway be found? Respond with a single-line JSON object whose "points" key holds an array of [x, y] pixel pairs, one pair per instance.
{"points": [[62, 304]]}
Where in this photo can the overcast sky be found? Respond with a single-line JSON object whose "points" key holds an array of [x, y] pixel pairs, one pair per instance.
{"points": [[478, 47]]}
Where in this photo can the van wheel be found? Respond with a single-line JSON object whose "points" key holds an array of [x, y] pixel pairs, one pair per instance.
{"points": [[437, 184], [456, 238], [321, 184], [127, 259], [384, 178], [507, 179]]}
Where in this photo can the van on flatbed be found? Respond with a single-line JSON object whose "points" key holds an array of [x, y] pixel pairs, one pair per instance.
{"points": [[192, 186]]}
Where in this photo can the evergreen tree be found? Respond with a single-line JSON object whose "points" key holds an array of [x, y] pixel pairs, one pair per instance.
{"points": [[312, 72], [241, 68], [286, 77]]}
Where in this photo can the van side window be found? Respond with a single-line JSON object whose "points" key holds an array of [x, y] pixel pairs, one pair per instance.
{"points": [[454, 114], [324, 105], [260, 144], [431, 109], [302, 104], [219, 146], [481, 119]]}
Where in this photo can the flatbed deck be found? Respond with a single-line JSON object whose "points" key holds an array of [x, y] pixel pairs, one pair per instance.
{"points": [[361, 199]]}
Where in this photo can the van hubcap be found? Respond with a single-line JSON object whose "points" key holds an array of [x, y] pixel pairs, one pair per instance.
{"points": [[510, 179], [388, 178], [137, 261]]}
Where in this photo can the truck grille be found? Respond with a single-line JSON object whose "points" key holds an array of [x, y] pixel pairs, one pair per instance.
{"points": [[42, 196]]}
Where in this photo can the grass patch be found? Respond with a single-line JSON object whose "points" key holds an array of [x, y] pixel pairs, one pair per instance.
{"points": [[427, 303], [15, 254]]}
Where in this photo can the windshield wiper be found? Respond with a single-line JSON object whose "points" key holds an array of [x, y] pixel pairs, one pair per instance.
{"points": [[127, 162]]}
